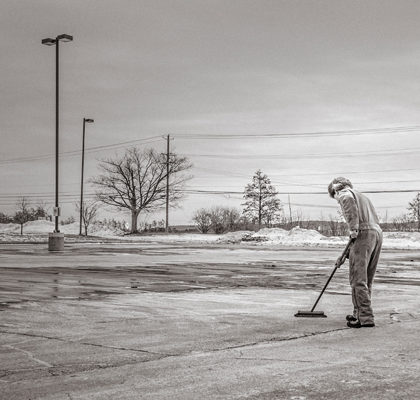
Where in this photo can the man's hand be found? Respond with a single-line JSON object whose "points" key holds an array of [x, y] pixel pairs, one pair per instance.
{"points": [[339, 262], [353, 234]]}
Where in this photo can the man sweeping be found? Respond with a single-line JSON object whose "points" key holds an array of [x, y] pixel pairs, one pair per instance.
{"points": [[363, 224]]}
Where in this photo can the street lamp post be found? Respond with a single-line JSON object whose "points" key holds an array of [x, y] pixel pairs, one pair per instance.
{"points": [[89, 121], [56, 239]]}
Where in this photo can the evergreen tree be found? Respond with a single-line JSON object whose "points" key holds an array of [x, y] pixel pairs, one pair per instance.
{"points": [[261, 202], [414, 208]]}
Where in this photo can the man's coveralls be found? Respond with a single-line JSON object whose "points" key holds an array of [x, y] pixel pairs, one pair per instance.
{"points": [[361, 216]]}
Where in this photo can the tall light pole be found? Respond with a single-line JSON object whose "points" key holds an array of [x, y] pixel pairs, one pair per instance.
{"points": [[167, 185], [85, 121], [56, 239]]}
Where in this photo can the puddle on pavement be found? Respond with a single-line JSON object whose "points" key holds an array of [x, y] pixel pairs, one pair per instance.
{"points": [[91, 275]]}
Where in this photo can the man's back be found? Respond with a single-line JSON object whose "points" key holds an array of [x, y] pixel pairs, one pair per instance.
{"points": [[358, 210]]}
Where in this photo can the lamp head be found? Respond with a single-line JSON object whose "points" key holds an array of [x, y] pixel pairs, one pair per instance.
{"points": [[64, 38], [48, 41], [89, 120]]}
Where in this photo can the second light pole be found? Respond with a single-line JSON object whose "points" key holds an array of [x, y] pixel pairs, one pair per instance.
{"points": [[89, 121]]}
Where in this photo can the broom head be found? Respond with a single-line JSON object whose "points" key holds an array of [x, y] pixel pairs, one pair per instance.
{"points": [[311, 314]]}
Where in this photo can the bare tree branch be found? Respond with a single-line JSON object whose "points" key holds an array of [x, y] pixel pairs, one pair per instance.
{"points": [[136, 181]]}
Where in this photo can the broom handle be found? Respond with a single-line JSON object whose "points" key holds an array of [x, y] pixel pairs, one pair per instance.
{"points": [[343, 256]]}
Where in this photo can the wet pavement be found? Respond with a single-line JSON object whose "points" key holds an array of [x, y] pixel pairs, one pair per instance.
{"points": [[159, 321]]}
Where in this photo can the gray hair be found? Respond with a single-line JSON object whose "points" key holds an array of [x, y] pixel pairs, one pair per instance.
{"points": [[338, 184]]}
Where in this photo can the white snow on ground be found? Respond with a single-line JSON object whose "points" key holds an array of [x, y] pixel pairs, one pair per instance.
{"points": [[44, 227], [296, 237], [9, 228], [235, 237]]}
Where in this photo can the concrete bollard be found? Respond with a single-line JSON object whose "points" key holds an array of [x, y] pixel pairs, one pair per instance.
{"points": [[56, 241]]}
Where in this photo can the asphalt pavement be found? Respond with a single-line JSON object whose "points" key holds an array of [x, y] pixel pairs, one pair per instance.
{"points": [[154, 321]]}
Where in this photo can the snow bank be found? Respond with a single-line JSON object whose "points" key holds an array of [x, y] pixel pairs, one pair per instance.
{"points": [[235, 237], [29, 227], [401, 240], [41, 226], [176, 238], [9, 228], [268, 234], [45, 227], [308, 237], [95, 229], [35, 231], [295, 237]]}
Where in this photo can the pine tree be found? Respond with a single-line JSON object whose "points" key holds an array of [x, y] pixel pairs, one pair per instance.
{"points": [[414, 208], [261, 202]]}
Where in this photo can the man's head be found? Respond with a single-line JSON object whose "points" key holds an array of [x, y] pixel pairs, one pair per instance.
{"points": [[338, 184]]}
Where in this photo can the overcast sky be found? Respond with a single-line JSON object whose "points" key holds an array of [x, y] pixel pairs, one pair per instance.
{"points": [[146, 69]]}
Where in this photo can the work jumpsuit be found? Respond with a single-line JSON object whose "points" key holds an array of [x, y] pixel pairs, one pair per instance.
{"points": [[361, 216]]}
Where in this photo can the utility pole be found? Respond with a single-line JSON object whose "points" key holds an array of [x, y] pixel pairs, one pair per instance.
{"points": [[290, 211], [167, 185]]}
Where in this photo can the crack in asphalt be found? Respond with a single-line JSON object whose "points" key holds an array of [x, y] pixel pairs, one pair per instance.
{"points": [[163, 356], [29, 354], [271, 359], [85, 343], [239, 346], [193, 352]]}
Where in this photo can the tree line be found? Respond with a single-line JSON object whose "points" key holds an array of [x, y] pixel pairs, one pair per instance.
{"points": [[141, 181]]}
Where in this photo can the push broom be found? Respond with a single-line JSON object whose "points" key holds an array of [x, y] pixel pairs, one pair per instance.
{"points": [[338, 264]]}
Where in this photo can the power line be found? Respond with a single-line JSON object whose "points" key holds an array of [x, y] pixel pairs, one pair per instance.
{"points": [[291, 174], [77, 152], [375, 131], [354, 132], [202, 191], [307, 155], [324, 193]]}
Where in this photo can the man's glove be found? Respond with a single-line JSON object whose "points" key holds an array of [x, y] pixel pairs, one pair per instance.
{"points": [[353, 234], [339, 262], [342, 259]]}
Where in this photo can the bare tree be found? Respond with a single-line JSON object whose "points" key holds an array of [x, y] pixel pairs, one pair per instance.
{"points": [[89, 211], [298, 218], [5, 219], [217, 217], [41, 210], [136, 181], [232, 218], [23, 213], [334, 224], [202, 220], [401, 223]]}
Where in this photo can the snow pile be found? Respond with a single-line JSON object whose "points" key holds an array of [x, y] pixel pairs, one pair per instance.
{"points": [[401, 240], [44, 227], [176, 238], [309, 237], [235, 237], [36, 231], [268, 234], [70, 229], [295, 237], [94, 229], [40, 226], [9, 228], [17, 238], [304, 235], [31, 227]]}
